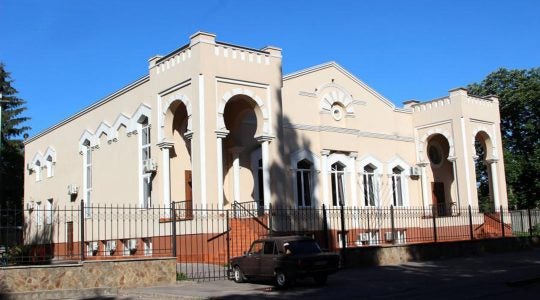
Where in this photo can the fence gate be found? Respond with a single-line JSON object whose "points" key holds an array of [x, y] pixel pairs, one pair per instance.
{"points": [[206, 239]]}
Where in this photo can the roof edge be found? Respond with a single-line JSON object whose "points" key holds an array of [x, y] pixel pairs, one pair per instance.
{"points": [[93, 106], [344, 71]]}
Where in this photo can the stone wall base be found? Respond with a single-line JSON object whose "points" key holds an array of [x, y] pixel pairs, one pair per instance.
{"points": [[89, 276], [391, 255]]}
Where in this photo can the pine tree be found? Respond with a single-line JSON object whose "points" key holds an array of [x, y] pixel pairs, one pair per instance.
{"points": [[11, 147]]}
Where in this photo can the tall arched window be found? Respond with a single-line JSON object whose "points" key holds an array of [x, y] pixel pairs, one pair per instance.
{"points": [[49, 163], [87, 158], [38, 170], [397, 186], [370, 191], [337, 171], [303, 182], [145, 160]]}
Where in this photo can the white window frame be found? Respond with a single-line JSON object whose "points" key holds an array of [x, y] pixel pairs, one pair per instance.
{"points": [[49, 164], [49, 212], [340, 240], [145, 147], [296, 157], [306, 177], [37, 167], [87, 177], [90, 248], [378, 169], [401, 236], [405, 175], [125, 248], [374, 237], [39, 214], [397, 187], [338, 181], [348, 164], [369, 183], [147, 242]]}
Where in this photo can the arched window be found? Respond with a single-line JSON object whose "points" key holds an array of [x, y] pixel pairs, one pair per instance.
{"points": [[337, 172], [49, 163], [87, 169], [146, 155], [397, 186], [303, 182], [370, 190], [38, 170]]}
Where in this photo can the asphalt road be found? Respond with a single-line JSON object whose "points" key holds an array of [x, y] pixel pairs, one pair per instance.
{"points": [[500, 276]]}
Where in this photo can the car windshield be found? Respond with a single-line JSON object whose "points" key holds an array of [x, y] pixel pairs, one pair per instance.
{"points": [[304, 247]]}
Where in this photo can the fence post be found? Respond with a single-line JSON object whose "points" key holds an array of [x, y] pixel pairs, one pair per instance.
{"points": [[502, 221], [173, 229], [392, 224], [530, 223], [228, 240], [325, 227], [343, 236], [82, 230], [470, 223], [522, 222], [433, 212], [270, 219]]}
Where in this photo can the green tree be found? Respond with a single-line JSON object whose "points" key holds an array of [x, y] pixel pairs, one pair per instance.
{"points": [[11, 151], [519, 93]]}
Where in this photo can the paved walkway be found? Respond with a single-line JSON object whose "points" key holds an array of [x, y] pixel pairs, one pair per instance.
{"points": [[501, 276]]}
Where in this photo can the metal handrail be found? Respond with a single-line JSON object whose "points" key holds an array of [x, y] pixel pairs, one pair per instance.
{"points": [[240, 205]]}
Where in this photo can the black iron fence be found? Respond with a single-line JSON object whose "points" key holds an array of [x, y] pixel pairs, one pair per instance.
{"points": [[205, 238]]}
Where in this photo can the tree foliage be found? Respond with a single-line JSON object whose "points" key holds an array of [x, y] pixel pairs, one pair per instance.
{"points": [[519, 94], [11, 151]]}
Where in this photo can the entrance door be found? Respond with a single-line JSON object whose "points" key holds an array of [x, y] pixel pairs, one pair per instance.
{"points": [[437, 190], [69, 239], [189, 196]]}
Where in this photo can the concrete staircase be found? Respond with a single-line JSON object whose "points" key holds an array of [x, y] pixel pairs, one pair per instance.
{"points": [[244, 231], [491, 227]]}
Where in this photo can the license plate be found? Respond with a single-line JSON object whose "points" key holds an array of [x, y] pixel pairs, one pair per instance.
{"points": [[320, 263]]}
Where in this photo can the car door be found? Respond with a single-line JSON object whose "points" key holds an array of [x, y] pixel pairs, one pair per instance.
{"points": [[252, 260], [268, 259]]}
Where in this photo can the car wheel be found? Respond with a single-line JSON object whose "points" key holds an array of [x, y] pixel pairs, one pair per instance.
{"points": [[320, 279], [238, 275], [282, 279]]}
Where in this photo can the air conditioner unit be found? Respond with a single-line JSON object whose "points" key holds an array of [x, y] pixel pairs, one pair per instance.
{"points": [[94, 246], [73, 189], [363, 237], [110, 246], [415, 171], [388, 236], [132, 244], [149, 166]]}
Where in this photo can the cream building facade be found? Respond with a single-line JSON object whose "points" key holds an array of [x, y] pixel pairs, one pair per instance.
{"points": [[214, 123]]}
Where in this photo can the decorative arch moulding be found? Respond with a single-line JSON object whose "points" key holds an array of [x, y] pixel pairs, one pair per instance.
{"points": [[261, 110], [130, 123]]}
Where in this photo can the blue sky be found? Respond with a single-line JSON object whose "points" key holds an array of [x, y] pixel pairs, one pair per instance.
{"points": [[65, 55]]}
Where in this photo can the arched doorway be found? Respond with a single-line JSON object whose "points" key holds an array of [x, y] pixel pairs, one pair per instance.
{"points": [[442, 175], [177, 132], [243, 180], [482, 159]]}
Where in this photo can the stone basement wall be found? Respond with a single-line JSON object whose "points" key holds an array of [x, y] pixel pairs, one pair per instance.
{"points": [[392, 255], [88, 275]]}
